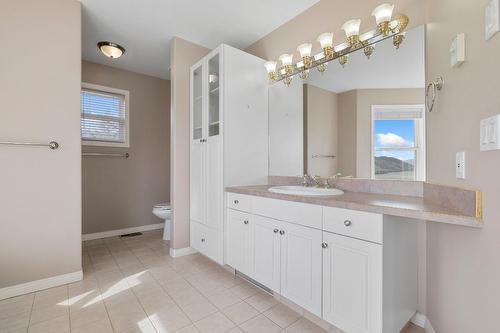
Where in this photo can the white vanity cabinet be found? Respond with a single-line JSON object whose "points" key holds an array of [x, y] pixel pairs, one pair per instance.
{"points": [[355, 270], [228, 111]]}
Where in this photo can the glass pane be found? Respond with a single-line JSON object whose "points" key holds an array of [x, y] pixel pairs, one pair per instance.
{"points": [[393, 142], [399, 164], [394, 133], [213, 96], [197, 104]]}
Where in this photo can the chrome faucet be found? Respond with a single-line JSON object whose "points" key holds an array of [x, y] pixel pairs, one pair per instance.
{"points": [[305, 180], [317, 181]]}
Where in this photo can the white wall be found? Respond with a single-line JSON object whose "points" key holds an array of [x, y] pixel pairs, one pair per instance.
{"points": [[40, 189]]}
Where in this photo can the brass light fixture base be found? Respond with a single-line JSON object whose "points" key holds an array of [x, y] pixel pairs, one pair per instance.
{"points": [[384, 28], [353, 41], [307, 61], [368, 50], [304, 74], [328, 52], [397, 40], [322, 67], [273, 76], [402, 22], [343, 60]]}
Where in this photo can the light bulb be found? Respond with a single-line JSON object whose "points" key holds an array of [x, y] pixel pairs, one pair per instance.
{"points": [[304, 50], [325, 40], [270, 66], [351, 27], [383, 13], [286, 59]]}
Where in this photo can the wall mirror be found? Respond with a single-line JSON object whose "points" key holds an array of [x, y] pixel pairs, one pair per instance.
{"points": [[364, 119]]}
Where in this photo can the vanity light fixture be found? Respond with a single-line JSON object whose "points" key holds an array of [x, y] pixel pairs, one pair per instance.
{"points": [[286, 61], [326, 42], [351, 29], [387, 27], [110, 49], [271, 70], [383, 16], [305, 54]]}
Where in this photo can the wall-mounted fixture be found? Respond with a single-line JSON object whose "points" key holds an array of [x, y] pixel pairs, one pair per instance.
{"points": [[387, 27], [433, 87], [110, 49]]}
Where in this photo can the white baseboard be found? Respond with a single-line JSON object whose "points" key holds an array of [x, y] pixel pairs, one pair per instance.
{"points": [[422, 321], [175, 253], [118, 232], [29, 287]]}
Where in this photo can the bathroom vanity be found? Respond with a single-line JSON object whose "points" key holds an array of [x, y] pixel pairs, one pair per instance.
{"points": [[341, 258]]}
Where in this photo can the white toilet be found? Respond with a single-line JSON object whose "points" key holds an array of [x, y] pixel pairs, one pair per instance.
{"points": [[163, 211]]}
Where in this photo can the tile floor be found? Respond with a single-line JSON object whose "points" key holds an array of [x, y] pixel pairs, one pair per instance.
{"points": [[132, 285]]}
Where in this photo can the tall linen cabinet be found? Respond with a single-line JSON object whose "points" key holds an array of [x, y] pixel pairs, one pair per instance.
{"points": [[229, 139]]}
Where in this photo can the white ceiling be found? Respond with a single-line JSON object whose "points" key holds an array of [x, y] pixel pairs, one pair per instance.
{"points": [[387, 67], [145, 27]]}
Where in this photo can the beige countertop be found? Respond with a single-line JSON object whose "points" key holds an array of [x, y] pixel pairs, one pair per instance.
{"points": [[389, 204]]}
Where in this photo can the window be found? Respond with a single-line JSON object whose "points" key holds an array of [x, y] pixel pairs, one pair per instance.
{"points": [[398, 142], [104, 116]]}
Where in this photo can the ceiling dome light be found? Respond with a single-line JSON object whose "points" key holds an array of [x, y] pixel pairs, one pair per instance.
{"points": [[111, 50]]}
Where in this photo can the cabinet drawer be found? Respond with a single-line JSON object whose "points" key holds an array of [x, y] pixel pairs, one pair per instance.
{"points": [[288, 211], [239, 202], [362, 225], [206, 240]]}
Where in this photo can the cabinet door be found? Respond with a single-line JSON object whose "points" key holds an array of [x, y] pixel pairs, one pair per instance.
{"points": [[352, 284], [301, 266], [214, 186], [197, 181], [264, 256], [237, 240]]}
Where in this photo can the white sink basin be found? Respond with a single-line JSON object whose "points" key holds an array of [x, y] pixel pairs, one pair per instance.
{"points": [[307, 191]]}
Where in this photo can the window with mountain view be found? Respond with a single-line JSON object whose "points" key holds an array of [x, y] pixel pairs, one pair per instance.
{"points": [[398, 143]]}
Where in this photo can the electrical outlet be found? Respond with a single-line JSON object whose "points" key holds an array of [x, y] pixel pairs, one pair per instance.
{"points": [[460, 165]]}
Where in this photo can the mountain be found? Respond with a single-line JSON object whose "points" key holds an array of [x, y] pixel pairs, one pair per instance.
{"points": [[385, 164]]}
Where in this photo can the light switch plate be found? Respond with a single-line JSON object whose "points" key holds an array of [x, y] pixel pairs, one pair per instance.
{"points": [[491, 19], [457, 50], [460, 165], [489, 132]]}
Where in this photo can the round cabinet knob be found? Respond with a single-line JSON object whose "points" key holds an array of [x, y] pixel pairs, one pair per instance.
{"points": [[282, 232], [275, 231], [236, 202], [347, 223], [203, 240], [245, 222], [324, 245]]}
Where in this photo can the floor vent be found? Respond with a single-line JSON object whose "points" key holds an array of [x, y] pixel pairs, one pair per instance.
{"points": [[132, 234], [255, 283]]}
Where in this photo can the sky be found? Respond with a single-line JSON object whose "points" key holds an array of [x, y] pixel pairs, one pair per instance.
{"points": [[394, 134]]}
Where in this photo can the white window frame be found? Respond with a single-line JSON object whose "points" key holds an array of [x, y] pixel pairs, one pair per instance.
{"points": [[116, 91], [419, 132]]}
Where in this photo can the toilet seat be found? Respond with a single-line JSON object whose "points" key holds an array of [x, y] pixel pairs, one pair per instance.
{"points": [[162, 206]]}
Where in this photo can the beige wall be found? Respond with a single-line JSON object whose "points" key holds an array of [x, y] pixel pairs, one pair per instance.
{"points": [[346, 156], [321, 130], [40, 189], [365, 99], [183, 54], [120, 193], [463, 265], [328, 16]]}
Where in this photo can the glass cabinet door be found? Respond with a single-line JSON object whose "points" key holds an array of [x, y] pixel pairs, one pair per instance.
{"points": [[213, 95], [197, 103]]}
